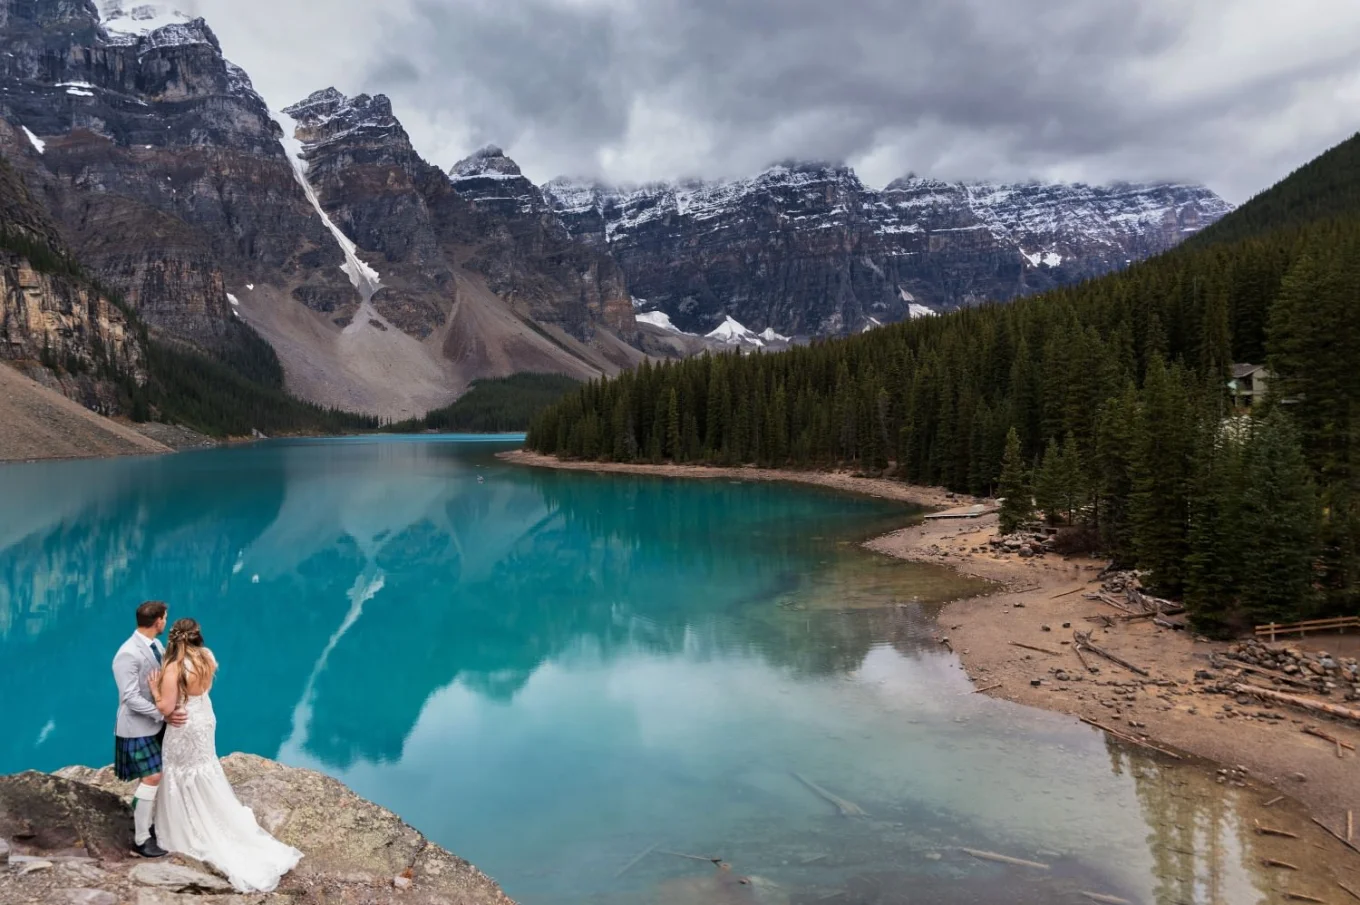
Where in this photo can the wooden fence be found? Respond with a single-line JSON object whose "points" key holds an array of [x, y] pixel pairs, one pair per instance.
{"points": [[1338, 624]]}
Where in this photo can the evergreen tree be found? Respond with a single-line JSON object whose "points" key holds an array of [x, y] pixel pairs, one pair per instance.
{"points": [[1163, 458], [1279, 514], [1048, 478], [1017, 504], [1213, 581]]}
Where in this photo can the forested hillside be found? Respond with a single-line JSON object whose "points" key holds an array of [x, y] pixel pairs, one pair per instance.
{"points": [[494, 405], [1112, 395]]}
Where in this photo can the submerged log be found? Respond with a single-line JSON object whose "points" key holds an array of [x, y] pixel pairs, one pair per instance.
{"points": [[1295, 701], [633, 863], [1104, 899], [1002, 859], [847, 808]]}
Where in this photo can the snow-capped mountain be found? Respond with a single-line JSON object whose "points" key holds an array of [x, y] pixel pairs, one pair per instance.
{"points": [[808, 249], [381, 287]]}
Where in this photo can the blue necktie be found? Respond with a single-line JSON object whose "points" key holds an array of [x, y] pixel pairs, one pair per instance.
{"points": [[156, 651]]}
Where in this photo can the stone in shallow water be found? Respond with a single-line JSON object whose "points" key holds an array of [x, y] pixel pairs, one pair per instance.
{"points": [[178, 879]]}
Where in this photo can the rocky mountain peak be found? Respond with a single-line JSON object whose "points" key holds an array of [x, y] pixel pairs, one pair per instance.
{"points": [[128, 21], [489, 161], [328, 116], [48, 12]]}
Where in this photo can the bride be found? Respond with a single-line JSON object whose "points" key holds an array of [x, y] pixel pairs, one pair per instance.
{"points": [[197, 813]]}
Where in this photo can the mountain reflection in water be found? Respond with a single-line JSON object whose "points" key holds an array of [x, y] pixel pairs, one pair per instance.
{"points": [[548, 672]]}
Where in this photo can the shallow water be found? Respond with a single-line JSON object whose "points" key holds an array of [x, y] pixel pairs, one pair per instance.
{"points": [[551, 673]]}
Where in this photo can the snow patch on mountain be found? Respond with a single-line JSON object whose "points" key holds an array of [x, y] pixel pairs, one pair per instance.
{"points": [[1046, 258], [732, 333], [770, 336], [38, 144], [914, 311], [659, 319], [363, 277], [126, 21]]}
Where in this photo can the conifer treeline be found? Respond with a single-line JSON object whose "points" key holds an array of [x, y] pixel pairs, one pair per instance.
{"points": [[1116, 393]]}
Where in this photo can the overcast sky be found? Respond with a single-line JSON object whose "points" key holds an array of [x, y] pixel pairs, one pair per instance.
{"points": [[1231, 93]]}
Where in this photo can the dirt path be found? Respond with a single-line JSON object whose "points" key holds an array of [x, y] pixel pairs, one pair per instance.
{"points": [[1170, 709], [39, 423]]}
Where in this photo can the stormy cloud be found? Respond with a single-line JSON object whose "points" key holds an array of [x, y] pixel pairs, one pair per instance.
{"points": [[1232, 93]]}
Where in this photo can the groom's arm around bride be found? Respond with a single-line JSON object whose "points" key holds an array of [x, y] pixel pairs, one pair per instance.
{"points": [[140, 725]]}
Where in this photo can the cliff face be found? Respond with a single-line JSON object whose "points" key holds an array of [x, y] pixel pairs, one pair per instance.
{"points": [[807, 249], [66, 333], [160, 161]]}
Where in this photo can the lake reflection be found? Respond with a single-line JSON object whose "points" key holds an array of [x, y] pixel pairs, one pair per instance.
{"points": [[550, 672]]}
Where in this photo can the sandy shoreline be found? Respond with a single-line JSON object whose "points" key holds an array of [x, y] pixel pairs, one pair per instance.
{"points": [[1167, 710]]}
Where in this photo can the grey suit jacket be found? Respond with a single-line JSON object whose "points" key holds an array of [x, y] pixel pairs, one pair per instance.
{"points": [[132, 668]]}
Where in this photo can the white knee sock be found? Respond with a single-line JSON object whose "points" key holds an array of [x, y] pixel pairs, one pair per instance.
{"points": [[143, 812]]}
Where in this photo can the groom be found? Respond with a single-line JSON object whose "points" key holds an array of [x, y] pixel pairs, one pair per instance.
{"points": [[137, 742]]}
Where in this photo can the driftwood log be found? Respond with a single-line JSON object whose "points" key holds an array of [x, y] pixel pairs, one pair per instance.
{"points": [[1130, 739], [1293, 700], [1262, 671], [1327, 737], [1337, 836], [1269, 831], [1042, 650], [1083, 639]]}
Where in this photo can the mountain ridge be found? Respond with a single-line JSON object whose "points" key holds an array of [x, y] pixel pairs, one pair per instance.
{"points": [[917, 241]]}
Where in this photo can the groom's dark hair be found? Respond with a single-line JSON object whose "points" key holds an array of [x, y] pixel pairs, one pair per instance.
{"points": [[150, 612]]}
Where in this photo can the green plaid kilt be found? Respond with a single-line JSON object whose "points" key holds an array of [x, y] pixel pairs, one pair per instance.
{"points": [[135, 758]]}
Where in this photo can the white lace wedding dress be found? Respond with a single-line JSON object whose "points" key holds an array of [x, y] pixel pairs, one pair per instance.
{"points": [[197, 813]]}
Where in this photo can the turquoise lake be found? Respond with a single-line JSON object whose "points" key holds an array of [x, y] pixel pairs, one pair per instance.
{"points": [[550, 673]]}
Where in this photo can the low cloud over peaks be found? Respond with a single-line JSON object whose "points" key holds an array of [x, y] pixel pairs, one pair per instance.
{"points": [[1233, 93]]}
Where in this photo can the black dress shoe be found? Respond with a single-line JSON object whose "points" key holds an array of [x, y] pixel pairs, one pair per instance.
{"points": [[150, 849]]}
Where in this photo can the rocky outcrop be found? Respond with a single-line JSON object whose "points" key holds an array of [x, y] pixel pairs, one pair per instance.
{"points": [[68, 842], [53, 320], [807, 249]]}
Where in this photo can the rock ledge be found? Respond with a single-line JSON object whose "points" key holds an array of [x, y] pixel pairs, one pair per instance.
{"points": [[68, 834]]}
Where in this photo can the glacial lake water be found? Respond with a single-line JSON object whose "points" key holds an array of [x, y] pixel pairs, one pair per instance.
{"points": [[553, 673]]}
